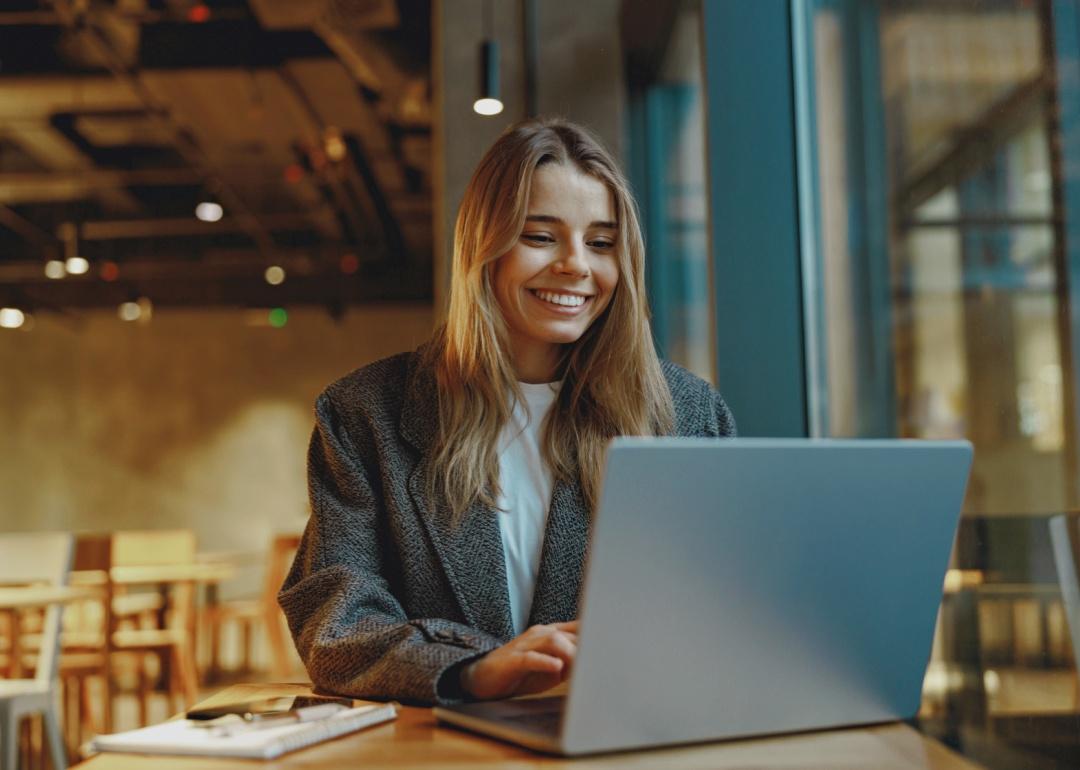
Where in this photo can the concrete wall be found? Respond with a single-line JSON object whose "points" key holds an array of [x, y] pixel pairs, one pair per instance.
{"points": [[195, 419]]}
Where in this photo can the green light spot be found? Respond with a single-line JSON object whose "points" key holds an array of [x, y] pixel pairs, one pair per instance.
{"points": [[278, 317]]}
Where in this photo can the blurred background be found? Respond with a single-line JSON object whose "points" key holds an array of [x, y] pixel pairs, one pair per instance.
{"points": [[862, 220]]}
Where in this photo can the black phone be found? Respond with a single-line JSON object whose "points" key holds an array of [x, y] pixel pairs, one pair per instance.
{"points": [[265, 707]]}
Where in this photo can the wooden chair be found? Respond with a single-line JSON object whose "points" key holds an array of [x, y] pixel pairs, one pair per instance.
{"points": [[129, 635], [24, 559], [261, 612]]}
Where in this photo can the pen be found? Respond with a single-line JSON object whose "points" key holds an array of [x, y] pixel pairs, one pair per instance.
{"points": [[233, 724]]}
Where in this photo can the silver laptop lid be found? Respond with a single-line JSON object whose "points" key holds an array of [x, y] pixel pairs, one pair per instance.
{"points": [[753, 586]]}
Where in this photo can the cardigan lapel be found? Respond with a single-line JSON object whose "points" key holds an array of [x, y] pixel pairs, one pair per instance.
{"points": [[470, 551], [562, 557]]}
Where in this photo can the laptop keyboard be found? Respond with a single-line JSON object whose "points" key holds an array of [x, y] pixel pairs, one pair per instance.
{"points": [[539, 721]]}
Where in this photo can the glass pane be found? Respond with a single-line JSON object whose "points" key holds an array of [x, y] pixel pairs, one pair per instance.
{"points": [[942, 287], [669, 151]]}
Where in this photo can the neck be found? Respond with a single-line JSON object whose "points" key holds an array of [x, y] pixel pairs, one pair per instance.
{"points": [[535, 361]]}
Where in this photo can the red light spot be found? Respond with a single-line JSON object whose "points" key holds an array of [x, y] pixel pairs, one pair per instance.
{"points": [[199, 13], [293, 173], [110, 271], [349, 264]]}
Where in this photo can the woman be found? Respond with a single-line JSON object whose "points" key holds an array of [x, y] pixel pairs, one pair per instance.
{"points": [[451, 488]]}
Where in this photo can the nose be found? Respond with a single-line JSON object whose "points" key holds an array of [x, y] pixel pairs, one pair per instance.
{"points": [[571, 261]]}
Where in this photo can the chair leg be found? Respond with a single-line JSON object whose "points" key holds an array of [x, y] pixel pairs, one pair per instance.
{"points": [[279, 653], [57, 751], [108, 691], [245, 645], [9, 737], [213, 628], [144, 691], [189, 678], [87, 716]]}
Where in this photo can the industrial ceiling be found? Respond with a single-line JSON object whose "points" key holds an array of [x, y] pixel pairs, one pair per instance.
{"points": [[307, 122]]}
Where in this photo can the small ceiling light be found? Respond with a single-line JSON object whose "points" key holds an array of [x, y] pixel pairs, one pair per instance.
{"points": [[209, 211], [489, 102], [334, 144], [77, 265], [140, 310], [129, 311], [11, 317], [55, 269], [274, 275], [68, 232]]}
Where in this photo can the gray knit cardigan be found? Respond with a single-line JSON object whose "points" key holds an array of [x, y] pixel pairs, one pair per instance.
{"points": [[385, 598]]}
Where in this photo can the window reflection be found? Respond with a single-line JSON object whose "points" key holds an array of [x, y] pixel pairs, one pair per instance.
{"points": [[942, 277]]}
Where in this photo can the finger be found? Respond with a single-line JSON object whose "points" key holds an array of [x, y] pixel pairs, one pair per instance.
{"points": [[560, 645], [540, 663], [569, 625]]}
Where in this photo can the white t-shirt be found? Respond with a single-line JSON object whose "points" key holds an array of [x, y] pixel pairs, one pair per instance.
{"points": [[526, 484]]}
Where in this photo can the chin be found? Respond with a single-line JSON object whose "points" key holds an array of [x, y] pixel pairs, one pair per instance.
{"points": [[560, 336]]}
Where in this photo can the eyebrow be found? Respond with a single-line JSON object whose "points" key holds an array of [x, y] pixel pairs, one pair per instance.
{"points": [[556, 220]]}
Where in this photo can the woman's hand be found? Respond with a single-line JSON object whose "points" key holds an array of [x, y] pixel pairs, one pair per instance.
{"points": [[535, 661]]}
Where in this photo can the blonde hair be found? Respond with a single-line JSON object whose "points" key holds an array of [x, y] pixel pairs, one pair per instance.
{"points": [[612, 383]]}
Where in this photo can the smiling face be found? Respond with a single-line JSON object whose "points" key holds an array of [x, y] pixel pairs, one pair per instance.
{"points": [[562, 272]]}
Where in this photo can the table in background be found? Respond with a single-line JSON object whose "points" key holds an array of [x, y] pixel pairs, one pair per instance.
{"points": [[15, 598], [207, 575], [415, 741]]}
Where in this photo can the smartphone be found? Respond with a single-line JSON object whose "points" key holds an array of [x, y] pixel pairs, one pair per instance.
{"points": [[255, 710]]}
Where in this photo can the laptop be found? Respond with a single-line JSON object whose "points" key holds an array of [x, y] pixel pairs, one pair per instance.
{"points": [[747, 587]]}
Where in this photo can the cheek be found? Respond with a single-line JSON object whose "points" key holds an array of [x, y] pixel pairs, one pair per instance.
{"points": [[608, 277]]}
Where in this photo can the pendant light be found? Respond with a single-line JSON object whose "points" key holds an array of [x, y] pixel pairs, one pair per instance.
{"points": [[489, 101]]}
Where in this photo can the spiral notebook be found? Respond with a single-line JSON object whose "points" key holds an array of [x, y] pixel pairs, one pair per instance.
{"points": [[184, 737]]}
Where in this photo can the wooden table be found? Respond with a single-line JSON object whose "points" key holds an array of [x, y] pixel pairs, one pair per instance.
{"points": [[15, 598], [416, 741]]}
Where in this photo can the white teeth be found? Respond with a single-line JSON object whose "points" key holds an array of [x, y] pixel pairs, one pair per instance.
{"points": [[568, 300]]}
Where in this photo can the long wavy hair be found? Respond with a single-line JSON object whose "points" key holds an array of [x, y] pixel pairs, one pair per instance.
{"points": [[612, 383]]}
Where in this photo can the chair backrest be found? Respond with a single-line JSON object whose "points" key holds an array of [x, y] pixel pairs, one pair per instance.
{"points": [[153, 547], [1065, 538], [39, 557]]}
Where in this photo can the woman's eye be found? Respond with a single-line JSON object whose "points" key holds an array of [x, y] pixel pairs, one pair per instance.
{"points": [[602, 244], [537, 238]]}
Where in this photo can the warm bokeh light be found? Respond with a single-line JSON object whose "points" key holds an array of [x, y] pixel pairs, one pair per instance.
{"points": [[199, 13], [55, 269], [110, 271], [349, 264], [146, 308], [77, 265], [294, 173], [278, 317], [11, 317], [208, 211], [334, 144], [487, 106], [274, 275], [129, 311]]}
